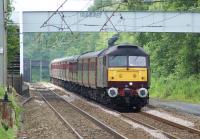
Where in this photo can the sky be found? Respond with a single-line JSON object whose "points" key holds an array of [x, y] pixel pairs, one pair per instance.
{"points": [[51, 5], [48, 5]]}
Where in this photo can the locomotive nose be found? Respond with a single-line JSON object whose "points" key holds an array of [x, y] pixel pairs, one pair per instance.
{"points": [[142, 92], [112, 92]]}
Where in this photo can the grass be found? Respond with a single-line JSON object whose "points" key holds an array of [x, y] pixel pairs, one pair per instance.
{"points": [[187, 89], [10, 133], [2, 90]]}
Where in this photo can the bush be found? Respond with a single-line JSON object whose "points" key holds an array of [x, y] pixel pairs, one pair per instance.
{"points": [[185, 89], [9, 134]]}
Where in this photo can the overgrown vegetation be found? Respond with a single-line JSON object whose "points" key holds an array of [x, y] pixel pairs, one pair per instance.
{"points": [[10, 133], [13, 49], [175, 57], [175, 89], [12, 35], [13, 41]]}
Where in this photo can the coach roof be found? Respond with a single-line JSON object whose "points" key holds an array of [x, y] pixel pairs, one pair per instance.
{"points": [[70, 59], [90, 54]]}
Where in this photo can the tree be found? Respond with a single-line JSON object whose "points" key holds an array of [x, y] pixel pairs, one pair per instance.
{"points": [[12, 35]]}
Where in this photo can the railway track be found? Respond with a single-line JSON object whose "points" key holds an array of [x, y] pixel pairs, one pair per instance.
{"points": [[168, 128], [169, 135], [82, 124], [172, 131], [189, 129]]}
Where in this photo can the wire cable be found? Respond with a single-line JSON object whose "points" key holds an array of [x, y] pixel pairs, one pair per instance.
{"points": [[109, 19], [45, 22]]}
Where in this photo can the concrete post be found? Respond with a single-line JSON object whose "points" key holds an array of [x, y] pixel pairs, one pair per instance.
{"points": [[3, 43], [30, 71], [40, 70]]}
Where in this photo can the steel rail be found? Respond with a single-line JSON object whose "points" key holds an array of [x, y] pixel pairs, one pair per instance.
{"points": [[27, 100], [66, 123], [149, 126], [189, 129], [130, 118], [94, 120]]}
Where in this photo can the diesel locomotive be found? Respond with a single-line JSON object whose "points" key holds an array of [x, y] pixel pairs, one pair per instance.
{"points": [[118, 75]]}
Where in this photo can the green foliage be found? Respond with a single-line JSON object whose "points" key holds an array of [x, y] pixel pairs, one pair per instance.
{"points": [[175, 57], [38, 46], [9, 134], [172, 53], [2, 90], [181, 5], [12, 41], [12, 35], [17, 109], [134, 5], [9, 8], [100, 5], [173, 88]]}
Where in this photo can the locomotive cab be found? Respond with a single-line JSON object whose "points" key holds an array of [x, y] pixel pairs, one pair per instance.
{"points": [[128, 75]]}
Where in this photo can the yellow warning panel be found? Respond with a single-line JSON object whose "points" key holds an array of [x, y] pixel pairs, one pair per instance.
{"points": [[127, 74]]}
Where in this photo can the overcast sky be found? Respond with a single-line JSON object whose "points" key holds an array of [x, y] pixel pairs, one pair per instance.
{"points": [[48, 5], [51, 5]]}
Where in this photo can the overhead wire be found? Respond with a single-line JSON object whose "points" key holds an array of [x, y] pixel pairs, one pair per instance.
{"points": [[45, 22], [63, 19], [77, 22], [108, 20], [68, 27]]}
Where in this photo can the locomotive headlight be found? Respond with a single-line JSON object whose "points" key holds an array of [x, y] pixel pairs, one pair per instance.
{"points": [[130, 83], [112, 92], [142, 92]]}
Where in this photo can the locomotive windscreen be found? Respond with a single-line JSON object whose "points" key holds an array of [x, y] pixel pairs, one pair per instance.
{"points": [[137, 61], [117, 61], [124, 61]]}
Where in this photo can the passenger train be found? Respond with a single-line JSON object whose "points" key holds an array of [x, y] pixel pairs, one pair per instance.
{"points": [[118, 75]]}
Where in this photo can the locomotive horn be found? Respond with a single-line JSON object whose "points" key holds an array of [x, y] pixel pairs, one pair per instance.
{"points": [[142, 92], [113, 39], [112, 92]]}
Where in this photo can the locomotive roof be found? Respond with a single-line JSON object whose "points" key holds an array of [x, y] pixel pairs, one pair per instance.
{"points": [[124, 49]]}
